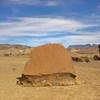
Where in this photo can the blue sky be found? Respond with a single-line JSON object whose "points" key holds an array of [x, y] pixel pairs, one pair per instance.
{"points": [[38, 22]]}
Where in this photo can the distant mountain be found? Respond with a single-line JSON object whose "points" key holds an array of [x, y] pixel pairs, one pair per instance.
{"points": [[14, 50], [83, 46], [16, 46]]}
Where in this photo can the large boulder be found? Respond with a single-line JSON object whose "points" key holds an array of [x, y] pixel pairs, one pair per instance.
{"points": [[49, 65]]}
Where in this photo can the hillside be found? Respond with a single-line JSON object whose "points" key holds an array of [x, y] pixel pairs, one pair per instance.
{"points": [[76, 50], [13, 50]]}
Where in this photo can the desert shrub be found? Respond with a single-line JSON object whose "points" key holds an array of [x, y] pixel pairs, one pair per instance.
{"points": [[81, 59], [85, 59], [96, 57], [6, 55], [77, 59]]}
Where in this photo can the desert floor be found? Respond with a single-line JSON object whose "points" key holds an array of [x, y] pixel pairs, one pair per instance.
{"points": [[11, 67]]}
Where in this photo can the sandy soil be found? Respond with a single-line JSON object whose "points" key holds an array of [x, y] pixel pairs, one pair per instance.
{"points": [[11, 67]]}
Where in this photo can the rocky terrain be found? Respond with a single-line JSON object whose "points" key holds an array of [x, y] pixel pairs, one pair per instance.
{"points": [[76, 50], [11, 66], [14, 50]]}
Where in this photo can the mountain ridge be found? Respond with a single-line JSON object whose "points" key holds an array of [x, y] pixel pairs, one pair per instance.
{"points": [[83, 46]]}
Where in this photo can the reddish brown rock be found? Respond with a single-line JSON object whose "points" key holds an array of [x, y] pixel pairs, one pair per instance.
{"points": [[49, 59], [49, 65]]}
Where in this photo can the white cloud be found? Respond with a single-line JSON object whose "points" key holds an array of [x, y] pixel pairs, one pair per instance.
{"points": [[52, 3], [27, 2], [69, 40], [31, 26], [37, 27], [32, 2]]}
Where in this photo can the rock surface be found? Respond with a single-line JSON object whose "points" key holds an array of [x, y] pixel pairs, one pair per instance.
{"points": [[49, 65], [49, 59]]}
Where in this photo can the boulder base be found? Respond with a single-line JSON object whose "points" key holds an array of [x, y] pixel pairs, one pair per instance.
{"points": [[57, 79]]}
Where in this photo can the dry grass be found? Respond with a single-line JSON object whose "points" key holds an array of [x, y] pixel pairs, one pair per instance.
{"points": [[11, 67]]}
